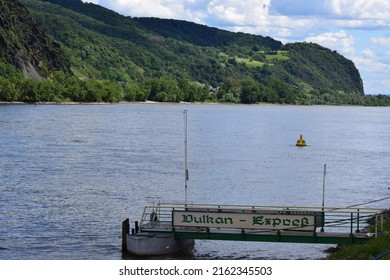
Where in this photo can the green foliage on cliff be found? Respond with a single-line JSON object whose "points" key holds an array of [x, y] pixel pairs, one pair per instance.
{"points": [[25, 45], [133, 59]]}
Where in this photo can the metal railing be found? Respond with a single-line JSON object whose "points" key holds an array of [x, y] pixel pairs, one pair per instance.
{"points": [[329, 219]]}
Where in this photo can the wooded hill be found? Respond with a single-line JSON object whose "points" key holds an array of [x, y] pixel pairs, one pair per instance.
{"points": [[25, 45], [114, 58]]}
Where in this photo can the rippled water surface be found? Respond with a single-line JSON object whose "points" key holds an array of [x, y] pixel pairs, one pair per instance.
{"points": [[70, 174]]}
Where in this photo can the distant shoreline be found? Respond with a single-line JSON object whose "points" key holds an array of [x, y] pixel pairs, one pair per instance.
{"points": [[128, 102], [174, 103]]}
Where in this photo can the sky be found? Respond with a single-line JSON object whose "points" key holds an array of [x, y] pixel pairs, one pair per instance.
{"points": [[357, 29]]}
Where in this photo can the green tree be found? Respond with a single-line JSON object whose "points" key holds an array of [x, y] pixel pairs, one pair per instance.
{"points": [[7, 90], [278, 91], [130, 92], [250, 91], [46, 90], [230, 91], [29, 91], [163, 90]]}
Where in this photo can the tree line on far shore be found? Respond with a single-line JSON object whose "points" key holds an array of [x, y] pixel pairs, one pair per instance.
{"points": [[64, 88]]}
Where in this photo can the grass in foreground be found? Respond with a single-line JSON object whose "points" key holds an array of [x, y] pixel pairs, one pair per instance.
{"points": [[373, 249]]}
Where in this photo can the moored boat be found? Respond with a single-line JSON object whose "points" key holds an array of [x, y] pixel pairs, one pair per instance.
{"points": [[155, 244]]}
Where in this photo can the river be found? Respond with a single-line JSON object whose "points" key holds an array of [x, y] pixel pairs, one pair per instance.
{"points": [[70, 174]]}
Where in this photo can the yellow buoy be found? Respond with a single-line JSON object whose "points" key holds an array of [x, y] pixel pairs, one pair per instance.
{"points": [[301, 142]]}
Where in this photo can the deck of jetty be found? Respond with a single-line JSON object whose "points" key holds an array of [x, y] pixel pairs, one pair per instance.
{"points": [[330, 225]]}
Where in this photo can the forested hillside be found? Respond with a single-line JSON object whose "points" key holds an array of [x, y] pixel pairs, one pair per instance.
{"points": [[114, 58], [24, 45]]}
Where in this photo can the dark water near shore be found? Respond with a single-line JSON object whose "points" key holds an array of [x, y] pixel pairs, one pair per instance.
{"points": [[70, 174]]}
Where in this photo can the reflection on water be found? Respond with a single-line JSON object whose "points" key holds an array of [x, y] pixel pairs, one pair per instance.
{"points": [[69, 175]]}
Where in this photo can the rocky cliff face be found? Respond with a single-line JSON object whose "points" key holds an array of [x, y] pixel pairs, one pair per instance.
{"points": [[25, 45]]}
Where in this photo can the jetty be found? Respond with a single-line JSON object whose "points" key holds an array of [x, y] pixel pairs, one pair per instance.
{"points": [[330, 225]]}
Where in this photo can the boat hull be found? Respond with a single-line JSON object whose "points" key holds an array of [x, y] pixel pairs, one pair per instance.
{"points": [[154, 244]]}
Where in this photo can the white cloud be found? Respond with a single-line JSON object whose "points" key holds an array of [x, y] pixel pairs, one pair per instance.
{"points": [[341, 13], [235, 12], [361, 9], [255, 16], [340, 41], [147, 8], [381, 41], [369, 53], [157, 8]]}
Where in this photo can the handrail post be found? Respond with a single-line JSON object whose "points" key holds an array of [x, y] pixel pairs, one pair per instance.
{"points": [[172, 221], [351, 223], [376, 225], [382, 220], [357, 221]]}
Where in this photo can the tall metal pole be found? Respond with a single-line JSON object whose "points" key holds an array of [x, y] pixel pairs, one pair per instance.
{"points": [[186, 175], [323, 199], [323, 188]]}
